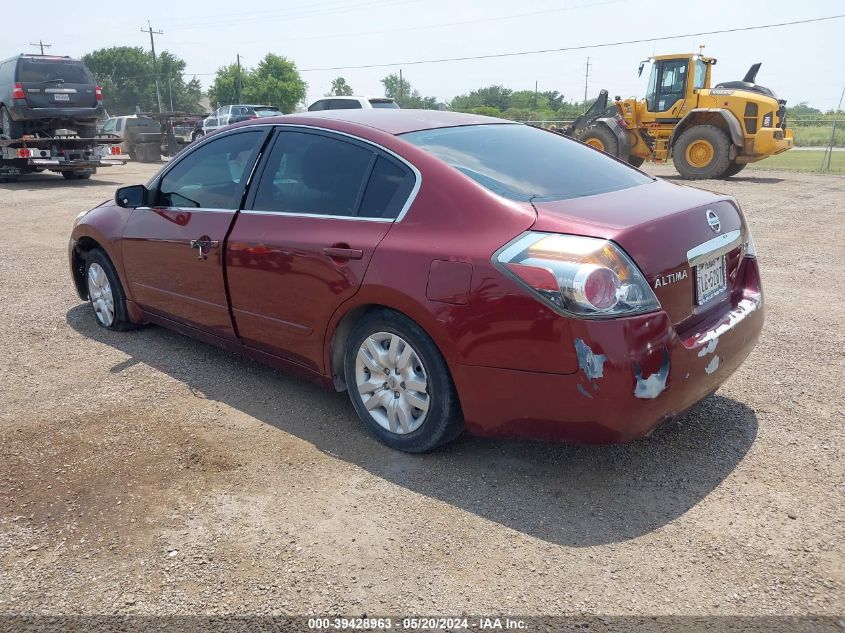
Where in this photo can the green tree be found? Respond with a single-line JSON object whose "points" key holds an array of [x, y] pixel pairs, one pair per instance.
{"points": [[275, 81], [401, 92], [497, 97], [340, 88], [127, 76], [224, 88]]}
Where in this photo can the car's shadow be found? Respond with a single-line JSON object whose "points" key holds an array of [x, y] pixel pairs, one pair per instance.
{"points": [[565, 494]]}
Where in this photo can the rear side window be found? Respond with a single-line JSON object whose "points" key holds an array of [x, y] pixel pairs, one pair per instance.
{"points": [[315, 174], [384, 103], [522, 162], [388, 189], [264, 112], [54, 70], [210, 177]]}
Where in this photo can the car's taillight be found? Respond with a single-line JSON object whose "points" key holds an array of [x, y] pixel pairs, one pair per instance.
{"points": [[17, 92], [582, 276], [750, 249], [98, 93]]}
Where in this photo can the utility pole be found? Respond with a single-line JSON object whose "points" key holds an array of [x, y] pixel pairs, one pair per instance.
{"points": [[536, 84], [401, 89], [238, 85], [828, 152], [155, 62], [42, 45], [586, 80]]}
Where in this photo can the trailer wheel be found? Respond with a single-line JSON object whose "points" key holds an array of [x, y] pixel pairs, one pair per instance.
{"points": [[702, 152], [733, 169], [73, 175], [86, 131], [601, 137], [10, 128]]}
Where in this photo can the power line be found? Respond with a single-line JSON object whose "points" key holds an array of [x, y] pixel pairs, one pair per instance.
{"points": [[573, 48], [423, 27]]}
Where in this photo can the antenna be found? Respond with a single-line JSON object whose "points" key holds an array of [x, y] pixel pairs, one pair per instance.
{"points": [[42, 45], [155, 63]]}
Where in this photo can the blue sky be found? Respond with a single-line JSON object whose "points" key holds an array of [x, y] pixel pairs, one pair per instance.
{"points": [[800, 63]]}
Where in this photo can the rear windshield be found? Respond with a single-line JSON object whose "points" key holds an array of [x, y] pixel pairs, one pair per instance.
{"points": [[53, 70], [523, 163], [383, 103], [262, 112]]}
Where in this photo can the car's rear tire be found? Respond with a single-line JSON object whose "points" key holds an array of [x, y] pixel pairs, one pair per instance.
{"points": [[105, 292], [197, 135], [733, 169], [601, 137], [10, 128], [400, 384], [702, 152]]}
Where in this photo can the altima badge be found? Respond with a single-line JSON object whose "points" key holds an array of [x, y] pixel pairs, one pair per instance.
{"points": [[713, 221]]}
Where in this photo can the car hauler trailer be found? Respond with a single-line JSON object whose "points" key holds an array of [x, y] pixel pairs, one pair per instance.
{"points": [[73, 157]]}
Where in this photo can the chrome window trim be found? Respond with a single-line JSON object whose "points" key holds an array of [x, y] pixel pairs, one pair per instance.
{"points": [[322, 216], [402, 212], [713, 248]]}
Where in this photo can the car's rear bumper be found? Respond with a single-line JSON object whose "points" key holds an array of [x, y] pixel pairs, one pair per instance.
{"points": [[26, 113], [634, 374]]}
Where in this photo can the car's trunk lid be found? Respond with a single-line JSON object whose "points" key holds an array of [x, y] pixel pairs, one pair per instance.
{"points": [[666, 229]]}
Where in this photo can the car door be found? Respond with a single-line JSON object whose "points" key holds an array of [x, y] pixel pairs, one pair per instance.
{"points": [[320, 206], [173, 250]]}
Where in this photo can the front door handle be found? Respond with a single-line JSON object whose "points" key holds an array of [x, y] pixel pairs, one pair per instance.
{"points": [[340, 252], [202, 245]]}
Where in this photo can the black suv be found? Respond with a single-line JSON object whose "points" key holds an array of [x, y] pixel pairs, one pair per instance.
{"points": [[45, 93]]}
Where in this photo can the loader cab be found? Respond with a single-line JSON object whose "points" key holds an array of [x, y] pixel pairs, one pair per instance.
{"points": [[675, 80]]}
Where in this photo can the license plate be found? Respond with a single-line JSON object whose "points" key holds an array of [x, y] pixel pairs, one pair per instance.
{"points": [[61, 97], [710, 279]]}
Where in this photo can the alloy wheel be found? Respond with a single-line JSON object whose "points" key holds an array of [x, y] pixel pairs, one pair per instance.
{"points": [[100, 292]]}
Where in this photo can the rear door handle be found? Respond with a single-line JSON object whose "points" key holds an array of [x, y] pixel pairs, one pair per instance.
{"points": [[337, 252], [201, 244]]}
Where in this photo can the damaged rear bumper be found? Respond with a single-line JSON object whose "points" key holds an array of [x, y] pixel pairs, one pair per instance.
{"points": [[634, 373]]}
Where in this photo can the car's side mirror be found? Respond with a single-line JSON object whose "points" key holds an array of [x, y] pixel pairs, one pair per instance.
{"points": [[132, 196]]}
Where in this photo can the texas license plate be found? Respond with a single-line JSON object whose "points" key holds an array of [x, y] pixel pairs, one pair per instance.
{"points": [[61, 97], [710, 279]]}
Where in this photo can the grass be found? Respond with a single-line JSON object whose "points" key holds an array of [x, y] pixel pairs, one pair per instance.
{"points": [[810, 160]]}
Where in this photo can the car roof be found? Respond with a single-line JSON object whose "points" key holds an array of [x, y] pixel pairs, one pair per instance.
{"points": [[392, 121]]}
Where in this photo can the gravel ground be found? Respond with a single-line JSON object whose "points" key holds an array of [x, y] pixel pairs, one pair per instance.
{"points": [[145, 473]]}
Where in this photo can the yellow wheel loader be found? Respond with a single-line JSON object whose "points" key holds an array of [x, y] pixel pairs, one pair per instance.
{"points": [[707, 132]]}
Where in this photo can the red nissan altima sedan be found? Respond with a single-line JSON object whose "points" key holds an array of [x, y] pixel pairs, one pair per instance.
{"points": [[451, 272]]}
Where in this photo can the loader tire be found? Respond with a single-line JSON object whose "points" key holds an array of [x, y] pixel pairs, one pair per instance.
{"points": [[601, 137], [702, 152], [733, 169]]}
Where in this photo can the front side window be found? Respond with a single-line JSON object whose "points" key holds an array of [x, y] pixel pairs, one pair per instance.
{"points": [[211, 176], [317, 106], [315, 174], [521, 162], [384, 103]]}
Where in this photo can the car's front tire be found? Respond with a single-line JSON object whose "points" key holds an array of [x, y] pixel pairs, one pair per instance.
{"points": [[105, 292], [400, 384]]}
